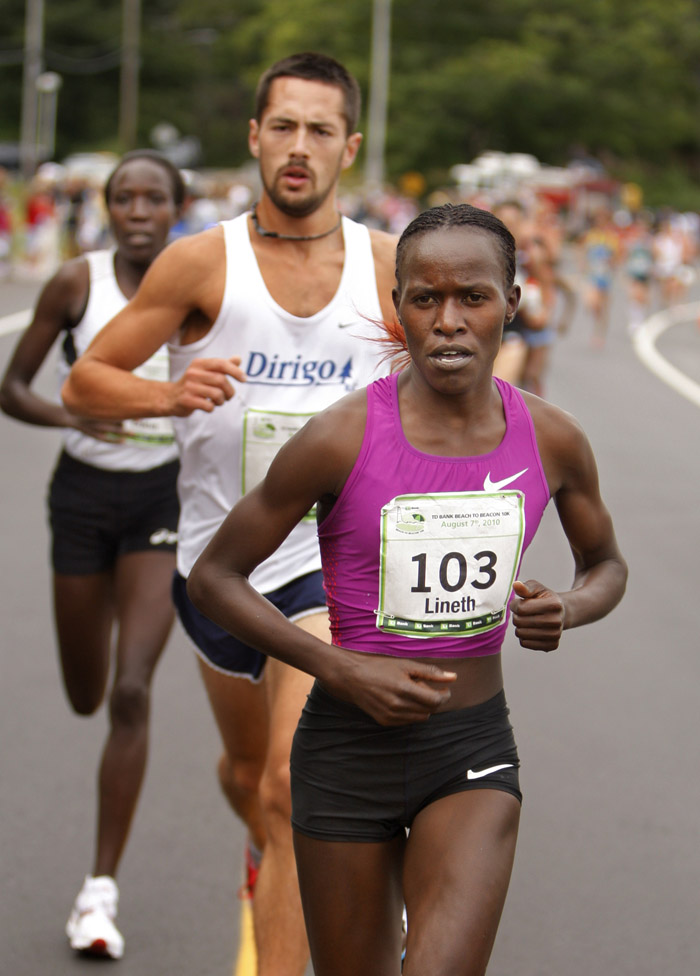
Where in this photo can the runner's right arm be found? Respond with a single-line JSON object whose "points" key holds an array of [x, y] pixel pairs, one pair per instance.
{"points": [[60, 307], [312, 466], [183, 287], [541, 614]]}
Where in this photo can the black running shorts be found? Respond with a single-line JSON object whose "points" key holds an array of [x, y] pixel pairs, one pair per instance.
{"points": [[98, 515], [356, 780]]}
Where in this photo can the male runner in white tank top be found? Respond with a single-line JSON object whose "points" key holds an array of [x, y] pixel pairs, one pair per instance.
{"points": [[303, 136]]}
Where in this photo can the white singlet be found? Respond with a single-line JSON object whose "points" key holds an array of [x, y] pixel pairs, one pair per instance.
{"points": [[669, 254], [150, 442], [295, 367]]}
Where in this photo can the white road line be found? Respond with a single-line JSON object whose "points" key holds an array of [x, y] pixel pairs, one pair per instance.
{"points": [[644, 341], [15, 322]]}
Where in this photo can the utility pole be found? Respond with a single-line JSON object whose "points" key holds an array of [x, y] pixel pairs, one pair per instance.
{"points": [[48, 85], [33, 65], [129, 78], [378, 94]]}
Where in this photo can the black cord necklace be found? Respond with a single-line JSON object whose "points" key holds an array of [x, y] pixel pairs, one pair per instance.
{"points": [[290, 237]]}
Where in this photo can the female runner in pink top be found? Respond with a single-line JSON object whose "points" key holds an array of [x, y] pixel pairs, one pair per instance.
{"points": [[427, 486]]}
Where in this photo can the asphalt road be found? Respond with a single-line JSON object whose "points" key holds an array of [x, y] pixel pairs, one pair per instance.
{"points": [[607, 873]]}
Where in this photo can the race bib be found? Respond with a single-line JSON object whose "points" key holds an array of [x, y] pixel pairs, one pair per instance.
{"points": [[448, 562], [151, 430], [264, 433]]}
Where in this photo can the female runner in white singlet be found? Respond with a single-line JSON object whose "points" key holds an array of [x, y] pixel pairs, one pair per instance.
{"points": [[114, 511]]}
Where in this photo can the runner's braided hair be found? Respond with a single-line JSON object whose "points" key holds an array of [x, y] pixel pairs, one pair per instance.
{"points": [[461, 215], [447, 215]]}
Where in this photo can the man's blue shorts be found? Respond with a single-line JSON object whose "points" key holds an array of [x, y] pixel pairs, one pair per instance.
{"points": [[223, 652]]}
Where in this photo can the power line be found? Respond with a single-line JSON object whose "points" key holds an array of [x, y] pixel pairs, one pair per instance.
{"points": [[66, 63]]}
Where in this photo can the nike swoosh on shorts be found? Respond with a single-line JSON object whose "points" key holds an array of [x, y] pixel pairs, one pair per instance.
{"points": [[479, 773], [497, 485]]}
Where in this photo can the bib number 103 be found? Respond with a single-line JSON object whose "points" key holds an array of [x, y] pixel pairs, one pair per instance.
{"points": [[447, 562], [453, 571]]}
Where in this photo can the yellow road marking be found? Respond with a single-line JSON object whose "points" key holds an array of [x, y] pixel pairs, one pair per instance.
{"points": [[247, 961]]}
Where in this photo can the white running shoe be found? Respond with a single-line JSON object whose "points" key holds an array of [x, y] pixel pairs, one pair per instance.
{"points": [[91, 927]]}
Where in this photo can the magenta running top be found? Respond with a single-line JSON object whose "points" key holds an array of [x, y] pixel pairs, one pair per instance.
{"points": [[420, 551]]}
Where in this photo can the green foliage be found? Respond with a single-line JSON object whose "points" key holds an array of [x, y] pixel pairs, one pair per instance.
{"points": [[617, 78]]}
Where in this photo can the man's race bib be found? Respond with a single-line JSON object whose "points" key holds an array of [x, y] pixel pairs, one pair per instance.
{"points": [[264, 433], [448, 562], [151, 430]]}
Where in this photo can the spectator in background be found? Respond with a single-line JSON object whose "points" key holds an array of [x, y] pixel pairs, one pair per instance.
{"points": [[5, 226]]}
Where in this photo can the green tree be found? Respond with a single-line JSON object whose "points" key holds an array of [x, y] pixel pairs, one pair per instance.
{"points": [[618, 78]]}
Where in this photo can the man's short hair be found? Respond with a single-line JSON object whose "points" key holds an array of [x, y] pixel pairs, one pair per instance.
{"points": [[311, 66]]}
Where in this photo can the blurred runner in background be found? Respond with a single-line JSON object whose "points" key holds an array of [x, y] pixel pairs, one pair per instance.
{"points": [[114, 510]]}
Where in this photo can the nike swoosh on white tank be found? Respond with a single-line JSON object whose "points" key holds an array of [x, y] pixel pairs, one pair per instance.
{"points": [[477, 774], [497, 485]]}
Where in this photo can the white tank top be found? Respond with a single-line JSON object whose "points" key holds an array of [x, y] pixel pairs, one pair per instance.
{"points": [[150, 442], [295, 367]]}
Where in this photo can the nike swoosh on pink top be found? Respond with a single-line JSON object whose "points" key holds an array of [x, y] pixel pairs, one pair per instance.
{"points": [[497, 485]]}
